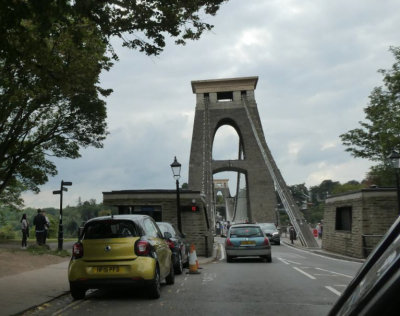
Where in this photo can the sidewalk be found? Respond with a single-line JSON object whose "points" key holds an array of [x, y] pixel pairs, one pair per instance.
{"points": [[33, 288], [320, 251]]}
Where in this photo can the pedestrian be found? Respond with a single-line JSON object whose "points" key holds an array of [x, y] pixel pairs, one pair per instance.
{"points": [[322, 228], [46, 227], [319, 230], [25, 231], [292, 233], [39, 221], [218, 230]]}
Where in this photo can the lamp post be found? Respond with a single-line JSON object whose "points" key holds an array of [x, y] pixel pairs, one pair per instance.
{"points": [[60, 225], [176, 171], [395, 160]]}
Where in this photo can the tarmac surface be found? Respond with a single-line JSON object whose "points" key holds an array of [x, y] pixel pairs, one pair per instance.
{"points": [[27, 290]]}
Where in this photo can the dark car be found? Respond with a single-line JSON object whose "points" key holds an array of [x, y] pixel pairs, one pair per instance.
{"points": [[376, 287], [178, 245], [272, 232]]}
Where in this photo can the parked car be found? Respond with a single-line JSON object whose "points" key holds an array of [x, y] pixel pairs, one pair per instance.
{"points": [[245, 240], [120, 250], [375, 288], [178, 245], [272, 232]]}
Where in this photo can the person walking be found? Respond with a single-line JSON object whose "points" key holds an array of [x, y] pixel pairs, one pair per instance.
{"points": [[25, 231], [46, 227], [39, 221]]}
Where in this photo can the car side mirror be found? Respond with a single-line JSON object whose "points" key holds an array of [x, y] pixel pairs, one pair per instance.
{"points": [[167, 235]]}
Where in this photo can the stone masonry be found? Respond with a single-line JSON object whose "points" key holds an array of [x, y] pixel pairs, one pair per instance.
{"points": [[220, 102], [373, 212]]}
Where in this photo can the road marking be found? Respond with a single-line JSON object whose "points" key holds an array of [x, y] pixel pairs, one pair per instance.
{"points": [[294, 262], [345, 275], [333, 290], [305, 273], [283, 260], [208, 277]]}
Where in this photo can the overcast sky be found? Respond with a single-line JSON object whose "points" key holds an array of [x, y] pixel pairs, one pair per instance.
{"points": [[317, 63]]}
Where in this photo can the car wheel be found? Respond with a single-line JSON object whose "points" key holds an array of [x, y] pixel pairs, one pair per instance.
{"points": [[268, 258], [179, 266], [77, 292], [229, 258], [170, 279], [155, 286]]}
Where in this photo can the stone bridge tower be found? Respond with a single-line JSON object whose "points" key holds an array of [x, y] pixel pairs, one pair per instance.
{"points": [[231, 102]]}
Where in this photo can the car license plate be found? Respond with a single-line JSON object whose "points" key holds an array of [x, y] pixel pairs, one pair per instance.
{"points": [[107, 269], [247, 243]]}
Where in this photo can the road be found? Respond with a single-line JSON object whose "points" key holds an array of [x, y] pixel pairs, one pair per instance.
{"points": [[297, 282]]}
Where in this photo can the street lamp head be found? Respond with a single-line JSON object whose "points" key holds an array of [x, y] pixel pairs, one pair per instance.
{"points": [[176, 169], [395, 159]]}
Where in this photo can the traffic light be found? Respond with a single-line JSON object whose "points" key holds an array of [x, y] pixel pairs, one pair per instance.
{"points": [[194, 206]]}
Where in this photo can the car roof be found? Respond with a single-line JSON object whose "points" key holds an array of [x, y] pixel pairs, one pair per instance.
{"points": [[245, 225], [132, 217]]}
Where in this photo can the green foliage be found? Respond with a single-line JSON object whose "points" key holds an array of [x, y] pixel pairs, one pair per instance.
{"points": [[73, 218], [348, 186], [51, 57], [380, 134], [7, 232], [381, 175]]}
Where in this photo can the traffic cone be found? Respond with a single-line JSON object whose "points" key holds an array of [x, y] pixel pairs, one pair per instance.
{"points": [[193, 263]]}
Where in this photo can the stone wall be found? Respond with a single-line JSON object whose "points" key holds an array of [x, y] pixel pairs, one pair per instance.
{"points": [[373, 212]]}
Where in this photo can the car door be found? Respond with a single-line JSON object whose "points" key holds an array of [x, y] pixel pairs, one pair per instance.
{"points": [[163, 252]]}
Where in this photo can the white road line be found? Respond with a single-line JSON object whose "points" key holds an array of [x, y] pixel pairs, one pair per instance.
{"points": [[305, 273], [333, 290], [294, 262], [283, 260], [345, 275]]}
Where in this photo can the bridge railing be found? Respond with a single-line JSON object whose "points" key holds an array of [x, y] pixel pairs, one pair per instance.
{"points": [[295, 216]]}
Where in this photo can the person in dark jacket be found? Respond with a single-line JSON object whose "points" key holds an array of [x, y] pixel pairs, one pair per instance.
{"points": [[39, 221], [25, 230]]}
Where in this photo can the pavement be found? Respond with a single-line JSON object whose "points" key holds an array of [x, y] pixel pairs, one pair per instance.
{"points": [[27, 290], [320, 251]]}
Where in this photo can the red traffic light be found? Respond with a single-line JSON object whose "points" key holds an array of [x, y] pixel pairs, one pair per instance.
{"points": [[194, 208]]}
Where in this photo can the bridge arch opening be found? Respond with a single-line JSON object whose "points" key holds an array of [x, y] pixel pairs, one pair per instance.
{"points": [[231, 196], [227, 144]]}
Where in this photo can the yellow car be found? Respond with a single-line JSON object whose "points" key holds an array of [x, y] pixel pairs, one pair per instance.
{"points": [[120, 250]]}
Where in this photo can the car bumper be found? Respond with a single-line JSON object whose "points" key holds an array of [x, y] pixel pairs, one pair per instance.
{"points": [[275, 239], [245, 252], [129, 272]]}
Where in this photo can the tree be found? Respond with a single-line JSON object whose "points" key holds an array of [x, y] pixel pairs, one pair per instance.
{"points": [[380, 134], [51, 56]]}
